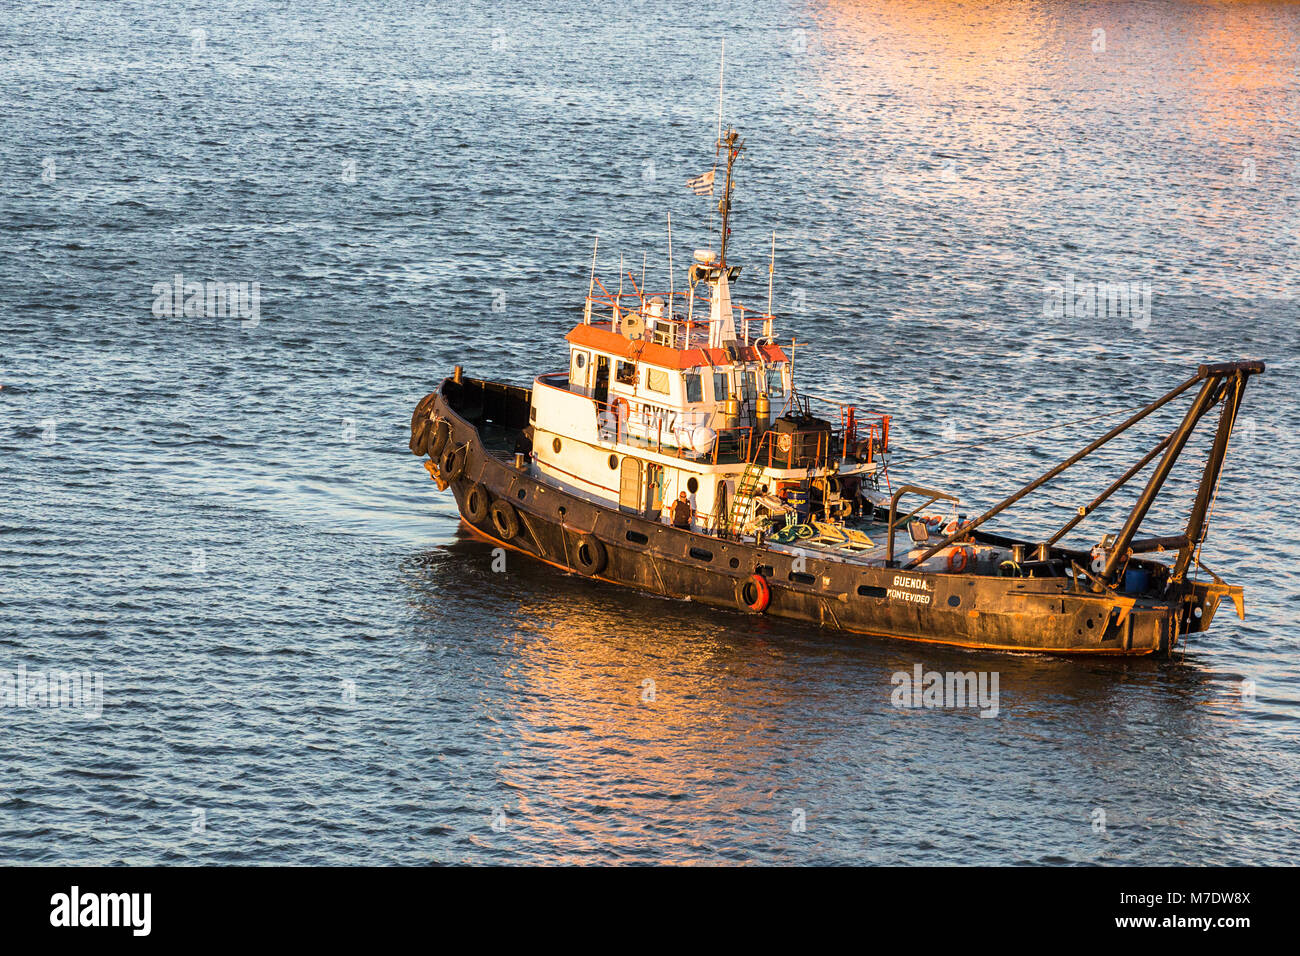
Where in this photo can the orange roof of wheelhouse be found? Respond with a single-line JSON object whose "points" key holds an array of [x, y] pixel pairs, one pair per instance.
{"points": [[605, 340]]}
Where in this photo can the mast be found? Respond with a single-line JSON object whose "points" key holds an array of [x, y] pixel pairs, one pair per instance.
{"points": [[771, 270], [717, 142], [734, 145], [671, 291], [591, 286]]}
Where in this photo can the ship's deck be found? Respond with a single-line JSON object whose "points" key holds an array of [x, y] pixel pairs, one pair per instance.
{"points": [[831, 545]]}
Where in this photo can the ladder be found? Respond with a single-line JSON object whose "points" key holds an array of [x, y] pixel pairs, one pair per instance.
{"points": [[734, 520]]}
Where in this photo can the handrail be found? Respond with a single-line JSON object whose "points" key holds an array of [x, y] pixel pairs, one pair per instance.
{"points": [[789, 459], [748, 442], [851, 419], [680, 324], [739, 437], [745, 446]]}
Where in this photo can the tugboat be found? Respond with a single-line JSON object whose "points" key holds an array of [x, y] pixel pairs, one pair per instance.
{"points": [[677, 455]]}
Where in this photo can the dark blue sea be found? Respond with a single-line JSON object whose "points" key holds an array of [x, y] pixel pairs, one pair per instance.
{"points": [[305, 660]]}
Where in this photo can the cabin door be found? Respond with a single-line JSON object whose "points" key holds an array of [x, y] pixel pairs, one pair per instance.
{"points": [[578, 373], [720, 505], [601, 393], [629, 486], [654, 490]]}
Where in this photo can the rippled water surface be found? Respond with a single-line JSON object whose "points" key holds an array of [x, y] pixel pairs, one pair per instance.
{"points": [[222, 519]]}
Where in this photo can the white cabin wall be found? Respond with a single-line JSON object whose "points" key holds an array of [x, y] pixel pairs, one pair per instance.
{"points": [[577, 467], [562, 412], [583, 470]]}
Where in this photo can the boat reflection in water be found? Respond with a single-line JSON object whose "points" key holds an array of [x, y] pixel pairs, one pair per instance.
{"points": [[611, 724]]}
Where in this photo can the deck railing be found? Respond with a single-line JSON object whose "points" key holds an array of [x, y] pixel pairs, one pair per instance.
{"points": [[683, 323], [856, 428], [865, 437]]}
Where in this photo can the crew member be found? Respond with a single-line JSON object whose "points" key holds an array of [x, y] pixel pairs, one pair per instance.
{"points": [[682, 512]]}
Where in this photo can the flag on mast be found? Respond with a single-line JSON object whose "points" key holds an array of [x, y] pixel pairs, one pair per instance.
{"points": [[701, 185]]}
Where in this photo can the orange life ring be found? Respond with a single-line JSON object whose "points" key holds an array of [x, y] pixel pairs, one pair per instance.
{"points": [[620, 421], [958, 558], [754, 593]]}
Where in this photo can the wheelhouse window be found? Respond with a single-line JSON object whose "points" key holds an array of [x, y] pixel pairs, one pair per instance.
{"points": [[694, 387], [656, 380], [625, 373], [721, 386]]}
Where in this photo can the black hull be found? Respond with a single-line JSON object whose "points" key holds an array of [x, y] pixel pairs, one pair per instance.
{"points": [[1044, 615]]}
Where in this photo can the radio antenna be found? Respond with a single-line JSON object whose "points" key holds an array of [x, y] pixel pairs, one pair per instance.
{"points": [[717, 143], [670, 269], [722, 67], [591, 286], [771, 269]]}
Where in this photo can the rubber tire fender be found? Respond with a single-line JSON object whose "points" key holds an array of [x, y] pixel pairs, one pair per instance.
{"points": [[753, 594], [421, 412], [504, 519], [452, 462], [477, 503], [589, 555], [419, 435], [438, 438]]}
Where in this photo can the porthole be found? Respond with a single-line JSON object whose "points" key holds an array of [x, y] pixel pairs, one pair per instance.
{"points": [[581, 359], [692, 485], [613, 462], [556, 445], [701, 554], [735, 562], [954, 600], [636, 537], [522, 492], [562, 511]]}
